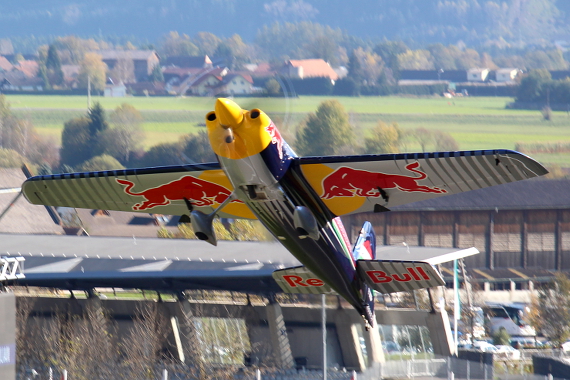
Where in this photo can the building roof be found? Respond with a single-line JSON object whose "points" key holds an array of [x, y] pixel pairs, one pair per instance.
{"points": [[22, 217], [314, 68], [197, 62], [18, 78], [5, 65], [528, 194], [30, 68], [70, 72], [227, 78], [73, 262], [131, 54]]}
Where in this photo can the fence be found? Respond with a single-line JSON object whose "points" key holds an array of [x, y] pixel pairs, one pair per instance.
{"points": [[444, 368]]}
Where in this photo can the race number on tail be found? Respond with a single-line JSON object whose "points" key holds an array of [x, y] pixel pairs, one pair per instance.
{"points": [[398, 276], [301, 280]]}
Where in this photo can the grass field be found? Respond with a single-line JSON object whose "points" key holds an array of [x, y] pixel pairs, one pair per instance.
{"points": [[475, 122]]}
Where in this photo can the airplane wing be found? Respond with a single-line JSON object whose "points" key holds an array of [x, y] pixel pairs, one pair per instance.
{"points": [[354, 184], [160, 190]]}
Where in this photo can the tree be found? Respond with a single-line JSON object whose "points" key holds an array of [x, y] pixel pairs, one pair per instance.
{"points": [[551, 309], [173, 44], [326, 132], [196, 148], [156, 74], [234, 50], [73, 49], [94, 69], [53, 67], [532, 85], [415, 60], [9, 158], [126, 136], [346, 87], [272, 87], [355, 68], [444, 142], [75, 141], [206, 42], [102, 162], [97, 120], [162, 155], [501, 337], [385, 139]]}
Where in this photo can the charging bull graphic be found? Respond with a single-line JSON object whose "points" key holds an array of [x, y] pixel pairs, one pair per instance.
{"points": [[198, 191], [348, 182]]}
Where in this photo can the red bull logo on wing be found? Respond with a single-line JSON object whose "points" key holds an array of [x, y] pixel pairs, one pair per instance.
{"points": [[349, 182], [198, 191]]}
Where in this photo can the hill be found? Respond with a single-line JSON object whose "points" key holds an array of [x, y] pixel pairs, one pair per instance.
{"points": [[472, 21]]}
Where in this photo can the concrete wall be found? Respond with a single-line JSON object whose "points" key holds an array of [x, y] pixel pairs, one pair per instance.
{"points": [[295, 342], [7, 336]]}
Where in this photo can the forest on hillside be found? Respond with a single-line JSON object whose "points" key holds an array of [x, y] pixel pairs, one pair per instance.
{"points": [[474, 22]]}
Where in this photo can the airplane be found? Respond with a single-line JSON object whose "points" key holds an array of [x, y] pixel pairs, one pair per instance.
{"points": [[298, 199]]}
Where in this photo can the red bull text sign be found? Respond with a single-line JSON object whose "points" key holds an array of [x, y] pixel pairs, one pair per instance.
{"points": [[198, 191], [379, 276], [295, 281], [349, 182]]}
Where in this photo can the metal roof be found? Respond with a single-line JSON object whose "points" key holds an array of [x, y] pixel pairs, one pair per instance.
{"points": [[529, 194], [83, 262]]}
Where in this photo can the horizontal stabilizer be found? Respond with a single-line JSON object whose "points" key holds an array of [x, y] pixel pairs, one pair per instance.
{"points": [[300, 280], [398, 276]]}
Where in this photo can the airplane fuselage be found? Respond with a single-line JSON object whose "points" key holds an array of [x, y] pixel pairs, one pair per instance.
{"points": [[272, 186]]}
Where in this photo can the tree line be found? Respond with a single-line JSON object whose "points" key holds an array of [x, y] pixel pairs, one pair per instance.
{"points": [[369, 61], [484, 22], [96, 141]]}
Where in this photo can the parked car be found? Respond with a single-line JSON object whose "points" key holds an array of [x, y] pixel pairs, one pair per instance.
{"points": [[508, 352], [484, 346]]}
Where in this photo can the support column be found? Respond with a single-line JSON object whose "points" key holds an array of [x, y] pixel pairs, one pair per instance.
{"points": [[558, 241], [374, 346], [279, 339], [187, 342], [524, 240], [349, 340], [489, 241], [440, 333], [455, 236], [8, 336]]}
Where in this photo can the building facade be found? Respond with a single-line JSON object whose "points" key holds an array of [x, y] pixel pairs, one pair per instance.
{"points": [[522, 229]]}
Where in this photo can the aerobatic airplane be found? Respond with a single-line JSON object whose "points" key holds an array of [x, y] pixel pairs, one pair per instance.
{"points": [[298, 199]]}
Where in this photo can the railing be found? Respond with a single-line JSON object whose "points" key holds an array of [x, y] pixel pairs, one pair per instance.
{"points": [[11, 268]]}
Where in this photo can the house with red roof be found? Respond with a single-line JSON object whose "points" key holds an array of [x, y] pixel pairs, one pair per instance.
{"points": [[5, 65], [308, 68]]}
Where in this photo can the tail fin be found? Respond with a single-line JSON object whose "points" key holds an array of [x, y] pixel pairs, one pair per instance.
{"points": [[365, 249], [365, 246]]}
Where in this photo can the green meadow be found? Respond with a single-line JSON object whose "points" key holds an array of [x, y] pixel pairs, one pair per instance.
{"points": [[475, 122]]}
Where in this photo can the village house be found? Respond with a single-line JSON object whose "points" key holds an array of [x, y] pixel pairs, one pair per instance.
{"points": [[308, 68], [477, 74], [144, 61], [507, 75], [195, 62]]}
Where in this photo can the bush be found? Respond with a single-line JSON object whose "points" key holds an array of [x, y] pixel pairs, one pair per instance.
{"points": [[501, 337], [103, 162], [9, 158]]}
